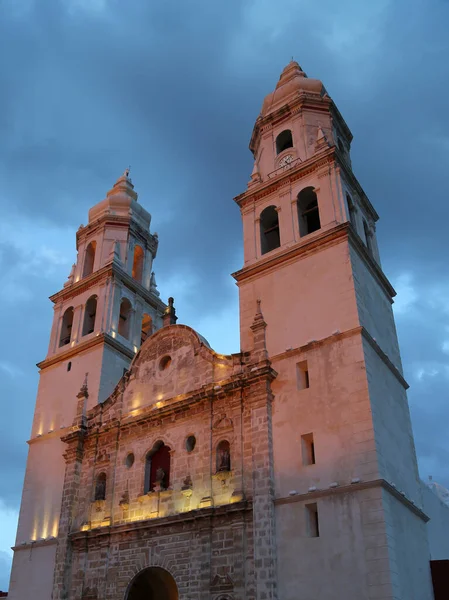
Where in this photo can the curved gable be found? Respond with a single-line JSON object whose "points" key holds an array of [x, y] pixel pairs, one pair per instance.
{"points": [[173, 362]]}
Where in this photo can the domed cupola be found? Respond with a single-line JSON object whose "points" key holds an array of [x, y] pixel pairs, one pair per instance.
{"points": [[121, 200], [292, 82]]}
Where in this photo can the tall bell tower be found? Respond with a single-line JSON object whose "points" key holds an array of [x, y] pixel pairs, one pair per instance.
{"points": [[349, 518], [104, 311]]}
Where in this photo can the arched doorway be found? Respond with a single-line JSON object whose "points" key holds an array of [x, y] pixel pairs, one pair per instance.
{"points": [[153, 583]]}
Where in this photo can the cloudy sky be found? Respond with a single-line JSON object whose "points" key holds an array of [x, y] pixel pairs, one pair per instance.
{"points": [[172, 88]]}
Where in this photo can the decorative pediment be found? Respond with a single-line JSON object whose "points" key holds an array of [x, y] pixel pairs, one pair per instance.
{"points": [[222, 583], [102, 456], [222, 423], [172, 363]]}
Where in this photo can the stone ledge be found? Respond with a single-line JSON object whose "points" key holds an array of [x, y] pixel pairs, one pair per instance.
{"points": [[341, 335], [345, 489], [152, 523], [35, 544]]}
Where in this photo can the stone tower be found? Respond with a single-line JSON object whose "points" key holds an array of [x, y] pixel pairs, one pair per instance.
{"points": [[348, 508], [107, 307], [284, 471]]}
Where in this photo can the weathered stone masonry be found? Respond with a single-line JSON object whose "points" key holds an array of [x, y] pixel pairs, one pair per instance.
{"points": [[203, 534]]}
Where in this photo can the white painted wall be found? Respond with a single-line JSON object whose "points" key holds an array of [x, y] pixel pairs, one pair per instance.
{"points": [[32, 570], [392, 427], [375, 309], [438, 526], [409, 551]]}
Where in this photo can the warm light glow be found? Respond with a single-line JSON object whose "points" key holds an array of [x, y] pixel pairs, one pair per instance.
{"points": [[85, 527], [73, 343], [135, 348], [54, 531], [159, 404], [205, 503], [113, 334], [136, 401], [77, 279], [160, 396]]}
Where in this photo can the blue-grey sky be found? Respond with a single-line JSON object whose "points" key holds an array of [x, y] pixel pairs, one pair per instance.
{"points": [[173, 88]]}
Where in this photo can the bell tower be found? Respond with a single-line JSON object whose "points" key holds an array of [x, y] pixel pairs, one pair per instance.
{"points": [[347, 489], [105, 310]]}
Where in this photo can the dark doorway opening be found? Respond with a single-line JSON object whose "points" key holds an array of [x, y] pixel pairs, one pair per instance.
{"points": [[153, 583]]}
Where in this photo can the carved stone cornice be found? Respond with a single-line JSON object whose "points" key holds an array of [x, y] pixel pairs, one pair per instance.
{"points": [[329, 157], [336, 337], [290, 176], [102, 338], [340, 233], [75, 444], [99, 225], [115, 272], [302, 101], [137, 529], [355, 487]]}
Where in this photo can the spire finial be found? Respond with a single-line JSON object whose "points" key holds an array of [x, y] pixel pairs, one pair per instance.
{"points": [[258, 328], [84, 386], [82, 396], [170, 317], [127, 172], [258, 317]]}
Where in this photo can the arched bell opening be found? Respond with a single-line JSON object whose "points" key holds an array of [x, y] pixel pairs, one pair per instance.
{"points": [[153, 583]]}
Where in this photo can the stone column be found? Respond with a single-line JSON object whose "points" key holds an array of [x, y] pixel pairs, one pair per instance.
{"points": [[259, 399], [73, 457], [263, 492]]}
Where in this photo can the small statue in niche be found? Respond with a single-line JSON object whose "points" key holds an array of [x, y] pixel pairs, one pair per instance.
{"points": [[187, 483], [100, 487], [223, 457], [160, 478], [124, 501]]}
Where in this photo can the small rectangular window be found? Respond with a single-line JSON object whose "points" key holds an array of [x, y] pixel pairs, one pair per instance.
{"points": [[308, 449], [312, 525], [302, 375]]}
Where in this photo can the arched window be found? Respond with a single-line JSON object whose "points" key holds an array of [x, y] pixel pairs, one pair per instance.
{"points": [[351, 210], [137, 271], [308, 212], [269, 229], [157, 468], [367, 237], [89, 315], [124, 320], [223, 456], [284, 140], [89, 259], [66, 327], [100, 487], [147, 327]]}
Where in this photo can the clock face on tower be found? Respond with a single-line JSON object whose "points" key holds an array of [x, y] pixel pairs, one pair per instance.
{"points": [[286, 160]]}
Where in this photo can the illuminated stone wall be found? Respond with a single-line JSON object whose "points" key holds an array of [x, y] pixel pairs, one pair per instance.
{"points": [[201, 528]]}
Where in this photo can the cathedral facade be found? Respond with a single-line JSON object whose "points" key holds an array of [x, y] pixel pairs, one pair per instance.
{"points": [[285, 471]]}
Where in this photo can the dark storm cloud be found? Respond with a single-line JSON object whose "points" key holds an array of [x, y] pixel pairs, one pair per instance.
{"points": [[173, 88]]}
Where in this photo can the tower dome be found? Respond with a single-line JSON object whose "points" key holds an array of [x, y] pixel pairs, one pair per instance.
{"points": [[120, 200], [292, 81]]}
